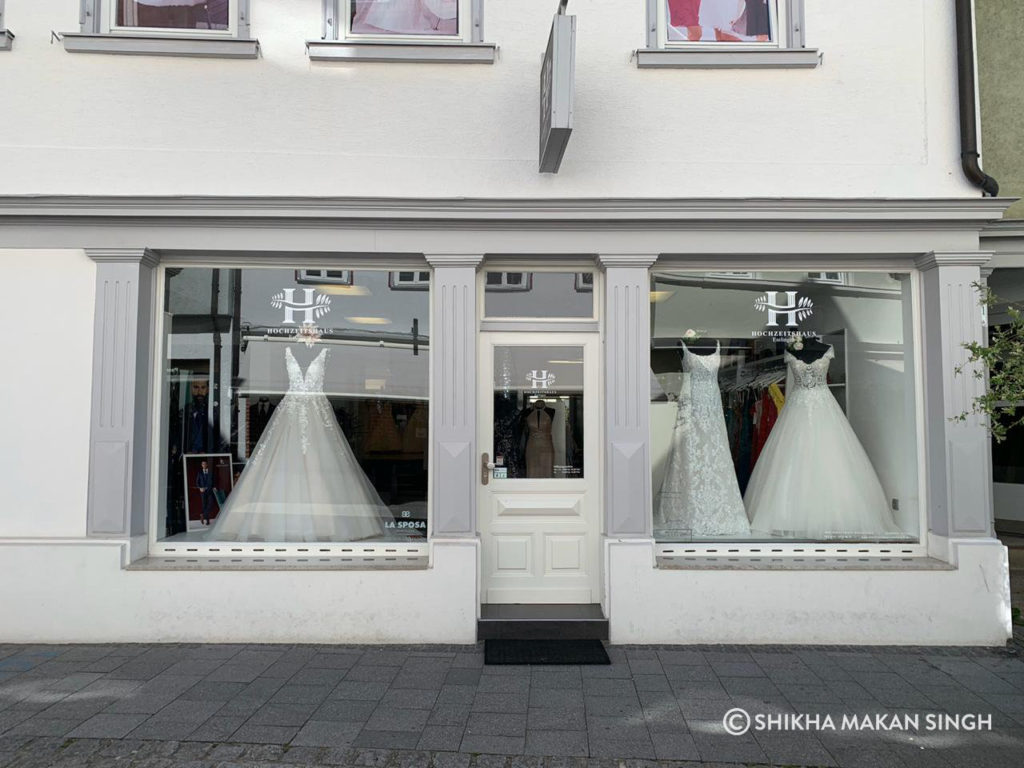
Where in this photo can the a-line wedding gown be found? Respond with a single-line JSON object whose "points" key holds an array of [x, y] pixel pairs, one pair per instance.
{"points": [[302, 482], [813, 478], [700, 494]]}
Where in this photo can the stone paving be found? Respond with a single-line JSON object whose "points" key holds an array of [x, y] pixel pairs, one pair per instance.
{"points": [[206, 706]]}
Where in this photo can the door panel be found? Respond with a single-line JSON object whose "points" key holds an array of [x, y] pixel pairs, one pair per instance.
{"points": [[539, 509]]}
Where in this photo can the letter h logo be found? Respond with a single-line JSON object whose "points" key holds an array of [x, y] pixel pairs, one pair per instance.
{"points": [[312, 307], [793, 308]]}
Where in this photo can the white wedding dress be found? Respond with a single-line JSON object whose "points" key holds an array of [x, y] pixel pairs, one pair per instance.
{"points": [[302, 482], [813, 478], [700, 495]]}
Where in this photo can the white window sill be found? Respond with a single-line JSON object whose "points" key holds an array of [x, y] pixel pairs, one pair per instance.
{"points": [[271, 563], [895, 563], [768, 58], [6, 39], [437, 53], [158, 45]]}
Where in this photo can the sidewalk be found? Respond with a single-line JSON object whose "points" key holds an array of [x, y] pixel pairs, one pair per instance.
{"points": [[440, 707]]}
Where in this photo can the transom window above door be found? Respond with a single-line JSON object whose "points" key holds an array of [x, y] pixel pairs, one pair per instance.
{"points": [[556, 295]]}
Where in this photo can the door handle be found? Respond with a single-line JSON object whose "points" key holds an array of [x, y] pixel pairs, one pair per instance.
{"points": [[485, 469]]}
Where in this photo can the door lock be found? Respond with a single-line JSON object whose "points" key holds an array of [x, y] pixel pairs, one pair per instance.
{"points": [[485, 469]]}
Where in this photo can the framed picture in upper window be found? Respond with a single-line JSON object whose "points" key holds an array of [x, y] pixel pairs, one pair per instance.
{"points": [[722, 22]]}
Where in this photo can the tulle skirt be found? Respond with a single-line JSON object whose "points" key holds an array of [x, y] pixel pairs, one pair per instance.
{"points": [[813, 478], [302, 483]]}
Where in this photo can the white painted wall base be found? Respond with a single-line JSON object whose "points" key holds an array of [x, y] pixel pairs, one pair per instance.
{"points": [[966, 606], [78, 593]]}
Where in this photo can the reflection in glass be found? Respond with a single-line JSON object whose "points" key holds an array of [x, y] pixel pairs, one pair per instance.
{"points": [[720, 21], [539, 294], [538, 412], [173, 14], [312, 418], [790, 391], [405, 17]]}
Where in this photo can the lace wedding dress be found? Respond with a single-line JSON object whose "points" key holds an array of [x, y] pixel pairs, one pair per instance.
{"points": [[302, 482], [813, 478], [700, 495]]}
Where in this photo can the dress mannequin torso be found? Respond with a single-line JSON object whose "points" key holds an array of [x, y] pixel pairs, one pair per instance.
{"points": [[540, 448]]}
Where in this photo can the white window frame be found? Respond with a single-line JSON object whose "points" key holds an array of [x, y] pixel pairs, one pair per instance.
{"points": [[506, 287], [6, 36], [788, 51], [263, 554], [304, 277], [778, 11], [737, 548], [337, 16], [109, 24]]}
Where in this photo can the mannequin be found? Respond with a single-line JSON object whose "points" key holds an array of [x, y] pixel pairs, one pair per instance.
{"points": [[813, 349], [540, 448], [699, 346]]}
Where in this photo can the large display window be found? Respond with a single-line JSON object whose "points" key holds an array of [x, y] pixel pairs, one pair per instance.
{"points": [[783, 406], [294, 405]]}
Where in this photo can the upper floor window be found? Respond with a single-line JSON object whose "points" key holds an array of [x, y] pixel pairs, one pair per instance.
{"points": [[192, 15], [413, 20], [754, 22], [726, 33]]}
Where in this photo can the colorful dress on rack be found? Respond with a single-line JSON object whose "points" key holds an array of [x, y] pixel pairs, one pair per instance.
{"points": [[814, 479], [700, 496]]}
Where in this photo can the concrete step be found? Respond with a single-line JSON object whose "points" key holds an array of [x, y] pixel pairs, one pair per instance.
{"points": [[542, 622]]}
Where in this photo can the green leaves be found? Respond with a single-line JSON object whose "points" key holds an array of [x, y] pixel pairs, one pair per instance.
{"points": [[1002, 360]]}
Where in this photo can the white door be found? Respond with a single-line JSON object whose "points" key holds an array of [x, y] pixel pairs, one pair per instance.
{"points": [[539, 504]]}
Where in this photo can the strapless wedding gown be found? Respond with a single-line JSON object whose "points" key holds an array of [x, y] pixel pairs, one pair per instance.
{"points": [[700, 495], [813, 478], [302, 482]]}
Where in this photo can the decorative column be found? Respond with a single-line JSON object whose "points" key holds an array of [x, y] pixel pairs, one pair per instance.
{"points": [[453, 386], [627, 394], [122, 386], [957, 453]]}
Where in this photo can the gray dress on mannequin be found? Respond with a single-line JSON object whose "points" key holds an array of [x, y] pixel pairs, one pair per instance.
{"points": [[540, 448]]}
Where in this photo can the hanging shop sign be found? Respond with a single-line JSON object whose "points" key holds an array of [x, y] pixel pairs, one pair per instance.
{"points": [[556, 91]]}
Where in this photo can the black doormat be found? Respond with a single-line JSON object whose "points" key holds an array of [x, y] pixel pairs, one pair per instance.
{"points": [[545, 652]]}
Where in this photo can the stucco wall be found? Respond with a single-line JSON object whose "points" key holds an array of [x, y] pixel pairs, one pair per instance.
{"points": [[45, 391], [999, 30], [878, 118]]}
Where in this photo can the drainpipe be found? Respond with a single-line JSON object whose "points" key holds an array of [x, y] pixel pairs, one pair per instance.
{"points": [[968, 98]]}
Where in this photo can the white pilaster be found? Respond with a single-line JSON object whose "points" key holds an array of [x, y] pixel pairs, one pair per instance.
{"points": [[627, 394], [121, 391], [453, 344], [957, 453]]}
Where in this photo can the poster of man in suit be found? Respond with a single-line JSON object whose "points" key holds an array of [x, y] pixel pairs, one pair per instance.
{"points": [[208, 481]]}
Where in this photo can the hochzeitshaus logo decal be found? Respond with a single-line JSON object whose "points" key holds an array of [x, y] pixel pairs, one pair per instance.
{"points": [[540, 379], [794, 308], [312, 307]]}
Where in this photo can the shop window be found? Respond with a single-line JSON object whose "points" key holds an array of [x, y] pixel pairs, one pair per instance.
{"points": [[784, 408], [293, 411], [539, 294]]}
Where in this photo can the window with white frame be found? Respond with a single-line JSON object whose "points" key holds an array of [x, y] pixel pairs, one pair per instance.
{"points": [[411, 280], [725, 33], [397, 20], [213, 18], [715, 22], [838, 278], [6, 37]]}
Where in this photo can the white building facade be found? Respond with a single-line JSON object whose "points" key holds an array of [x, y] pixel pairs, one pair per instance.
{"points": [[303, 348]]}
